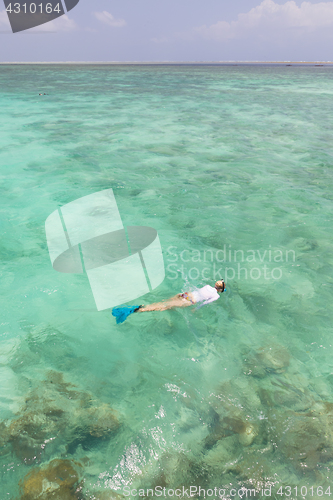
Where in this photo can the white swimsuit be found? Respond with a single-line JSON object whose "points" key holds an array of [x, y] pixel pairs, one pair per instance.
{"points": [[205, 294]]}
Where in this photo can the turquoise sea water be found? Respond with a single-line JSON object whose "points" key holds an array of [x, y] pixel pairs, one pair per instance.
{"points": [[217, 159]]}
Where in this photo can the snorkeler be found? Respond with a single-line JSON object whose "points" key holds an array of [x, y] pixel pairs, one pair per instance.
{"points": [[205, 295]]}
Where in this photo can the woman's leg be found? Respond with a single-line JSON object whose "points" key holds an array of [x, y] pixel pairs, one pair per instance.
{"points": [[173, 302]]}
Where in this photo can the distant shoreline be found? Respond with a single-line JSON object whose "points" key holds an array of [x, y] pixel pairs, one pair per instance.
{"points": [[172, 63]]}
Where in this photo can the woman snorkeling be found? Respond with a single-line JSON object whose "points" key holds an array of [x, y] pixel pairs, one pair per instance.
{"points": [[206, 294]]}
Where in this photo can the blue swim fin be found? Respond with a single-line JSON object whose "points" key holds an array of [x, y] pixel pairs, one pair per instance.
{"points": [[121, 313]]}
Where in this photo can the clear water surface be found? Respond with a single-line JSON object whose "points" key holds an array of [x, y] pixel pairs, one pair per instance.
{"points": [[217, 158]]}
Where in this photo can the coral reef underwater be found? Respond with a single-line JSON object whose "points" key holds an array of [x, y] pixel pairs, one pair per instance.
{"points": [[269, 416]]}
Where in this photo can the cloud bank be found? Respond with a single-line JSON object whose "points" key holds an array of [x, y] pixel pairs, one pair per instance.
{"points": [[107, 18], [272, 19]]}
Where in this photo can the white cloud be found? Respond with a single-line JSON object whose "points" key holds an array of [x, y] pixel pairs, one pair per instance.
{"points": [[270, 17], [107, 18]]}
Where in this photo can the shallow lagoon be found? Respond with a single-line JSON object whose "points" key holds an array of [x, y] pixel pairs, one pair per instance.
{"points": [[217, 159]]}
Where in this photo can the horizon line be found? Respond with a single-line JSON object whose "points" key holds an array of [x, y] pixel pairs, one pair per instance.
{"points": [[165, 62]]}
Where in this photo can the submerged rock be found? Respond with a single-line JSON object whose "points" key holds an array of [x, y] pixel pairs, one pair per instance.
{"points": [[254, 469], [266, 360], [223, 455], [57, 412], [248, 434], [176, 469], [4, 439], [57, 480], [102, 421], [234, 410], [29, 433], [306, 439], [233, 424], [280, 392], [98, 422]]}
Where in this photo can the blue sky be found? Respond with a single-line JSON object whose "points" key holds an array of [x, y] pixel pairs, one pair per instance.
{"points": [[177, 30]]}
